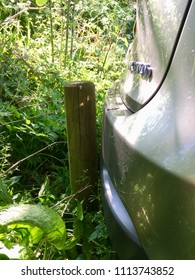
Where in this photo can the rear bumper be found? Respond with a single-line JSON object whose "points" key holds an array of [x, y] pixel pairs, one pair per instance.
{"points": [[148, 190], [120, 227]]}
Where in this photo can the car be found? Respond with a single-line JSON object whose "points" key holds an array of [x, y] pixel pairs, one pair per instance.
{"points": [[148, 138]]}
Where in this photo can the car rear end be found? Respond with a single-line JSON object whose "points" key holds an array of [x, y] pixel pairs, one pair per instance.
{"points": [[148, 141]]}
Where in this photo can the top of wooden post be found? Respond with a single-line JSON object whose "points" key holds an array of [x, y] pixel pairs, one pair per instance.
{"points": [[79, 83]]}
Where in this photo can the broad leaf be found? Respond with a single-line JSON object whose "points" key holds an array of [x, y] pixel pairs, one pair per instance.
{"points": [[41, 221], [41, 2]]}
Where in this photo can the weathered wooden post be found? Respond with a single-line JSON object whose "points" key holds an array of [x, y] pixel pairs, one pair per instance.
{"points": [[81, 133]]}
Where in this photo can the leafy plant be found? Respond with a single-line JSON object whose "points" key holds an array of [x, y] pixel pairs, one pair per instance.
{"points": [[40, 221], [44, 44]]}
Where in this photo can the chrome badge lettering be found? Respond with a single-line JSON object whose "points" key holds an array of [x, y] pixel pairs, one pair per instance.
{"points": [[143, 69]]}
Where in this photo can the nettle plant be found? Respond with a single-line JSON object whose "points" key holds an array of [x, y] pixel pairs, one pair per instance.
{"points": [[40, 232], [35, 228]]}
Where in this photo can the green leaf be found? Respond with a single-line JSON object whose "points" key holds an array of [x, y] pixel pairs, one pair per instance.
{"points": [[44, 187], [77, 229], [70, 243], [27, 121], [98, 233], [79, 210], [4, 257], [41, 219], [5, 197], [41, 2]]}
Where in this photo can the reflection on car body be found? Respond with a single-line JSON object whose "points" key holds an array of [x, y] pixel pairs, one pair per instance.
{"points": [[148, 142]]}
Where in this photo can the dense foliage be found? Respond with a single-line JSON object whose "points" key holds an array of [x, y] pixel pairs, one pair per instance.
{"points": [[41, 48]]}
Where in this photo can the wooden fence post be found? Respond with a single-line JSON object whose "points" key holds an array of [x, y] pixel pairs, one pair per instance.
{"points": [[80, 112]]}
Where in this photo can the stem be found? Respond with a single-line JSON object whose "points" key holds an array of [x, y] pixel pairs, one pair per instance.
{"points": [[67, 31], [51, 32], [62, 34], [34, 154], [106, 56], [28, 32], [72, 31], [11, 18], [45, 251]]}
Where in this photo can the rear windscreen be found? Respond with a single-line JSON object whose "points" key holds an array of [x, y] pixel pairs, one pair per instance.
{"points": [[158, 26]]}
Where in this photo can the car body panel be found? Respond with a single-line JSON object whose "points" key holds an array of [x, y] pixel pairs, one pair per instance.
{"points": [[158, 27], [150, 157], [120, 222]]}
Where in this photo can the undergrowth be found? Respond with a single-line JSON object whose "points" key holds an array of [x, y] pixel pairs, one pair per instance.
{"points": [[41, 48]]}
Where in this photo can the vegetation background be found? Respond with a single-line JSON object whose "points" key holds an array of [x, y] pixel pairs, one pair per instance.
{"points": [[44, 44]]}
